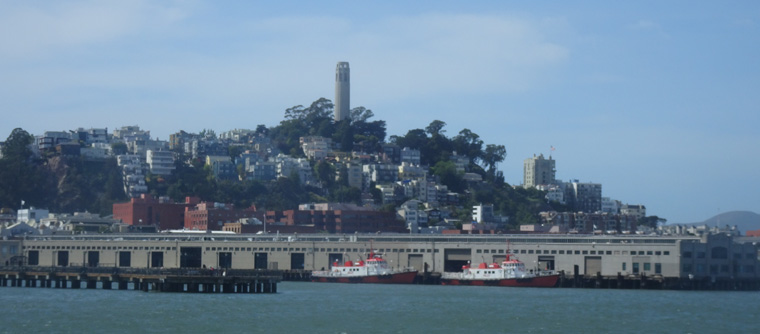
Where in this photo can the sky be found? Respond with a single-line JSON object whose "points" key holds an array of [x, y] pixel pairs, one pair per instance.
{"points": [[658, 101]]}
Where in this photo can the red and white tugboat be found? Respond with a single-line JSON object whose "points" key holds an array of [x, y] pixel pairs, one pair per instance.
{"points": [[511, 272], [374, 270]]}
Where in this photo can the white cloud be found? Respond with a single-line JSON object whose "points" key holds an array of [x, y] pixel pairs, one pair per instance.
{"points": [[644, 25], [121, 63], [29, 30]]}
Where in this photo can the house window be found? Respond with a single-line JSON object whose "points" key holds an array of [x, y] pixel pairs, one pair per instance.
{"points": [[647, 266], [658, 268], [624, 266], [635, 267]]}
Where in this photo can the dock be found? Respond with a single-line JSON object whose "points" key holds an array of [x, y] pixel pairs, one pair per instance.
{"points": [[147, 279]]}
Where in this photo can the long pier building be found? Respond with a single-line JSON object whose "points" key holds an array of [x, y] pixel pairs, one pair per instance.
{"points": [[711, 260]]}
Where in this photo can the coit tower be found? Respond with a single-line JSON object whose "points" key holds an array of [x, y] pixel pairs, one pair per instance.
{"points": [[342, 91]]}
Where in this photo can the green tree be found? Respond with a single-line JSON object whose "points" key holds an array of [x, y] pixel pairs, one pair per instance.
{"points": [[469, 144], [360, 114], [447, 173], [435, 128], [17, 146], [23, 178], [492, 155], [325, 173], [119, 148]]}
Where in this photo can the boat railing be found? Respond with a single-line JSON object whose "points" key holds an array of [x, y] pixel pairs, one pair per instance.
{"points": [[546, 273]]}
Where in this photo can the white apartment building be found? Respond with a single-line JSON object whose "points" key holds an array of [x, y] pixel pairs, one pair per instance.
{"points": [[160, 162]]}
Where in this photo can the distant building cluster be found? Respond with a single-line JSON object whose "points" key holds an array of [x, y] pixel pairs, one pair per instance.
{"points": [[589, 211], [422, 203]]}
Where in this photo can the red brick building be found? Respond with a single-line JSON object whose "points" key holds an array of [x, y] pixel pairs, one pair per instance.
{"points": [[212, 216], [163, 213], [339, 221]]}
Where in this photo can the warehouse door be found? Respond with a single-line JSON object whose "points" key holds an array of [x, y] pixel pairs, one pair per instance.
{"points": [[93, 258], [297, 261], [225, 260], [415, 261], [63, 258], [335, 257], [190, 257], [156, 259], [593, 265], [260, 261], [125, 259], [455, 258], [546, 263]]}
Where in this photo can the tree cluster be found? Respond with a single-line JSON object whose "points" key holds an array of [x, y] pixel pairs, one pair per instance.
{"points": [[57, 183]]}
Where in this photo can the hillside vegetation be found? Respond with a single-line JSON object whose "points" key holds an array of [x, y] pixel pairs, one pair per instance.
{"points": [[69, 184]]}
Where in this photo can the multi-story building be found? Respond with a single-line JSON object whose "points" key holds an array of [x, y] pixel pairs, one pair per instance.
{"points": [[162, 213], [610, 205], [50, 139], [460, 161], [316, 147], [287, 166], [90, 136], [262, 171], [391, 153], [237, 135], [483, 213], [414, 215], [209, 216], [538, 171], [380, 174], [410, 156], [637, 210], [222, 167], [598, 222], [338, 218], [31, 214], [407, 171], [160, 162], [133, 131], [354, 173], [584, 197], [134, 176], [554, 192]]}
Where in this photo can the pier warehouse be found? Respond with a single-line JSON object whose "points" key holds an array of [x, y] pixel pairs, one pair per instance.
{"points": [[708, 259]]}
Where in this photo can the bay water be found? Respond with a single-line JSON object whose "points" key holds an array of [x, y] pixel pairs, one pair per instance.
{"points": [[304, 307]]}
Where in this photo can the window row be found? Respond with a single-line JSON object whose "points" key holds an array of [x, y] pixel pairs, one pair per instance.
{"points": [[590, 252], [103, 247]]}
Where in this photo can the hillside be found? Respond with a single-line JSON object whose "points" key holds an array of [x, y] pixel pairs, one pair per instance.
{"points": [[744, 220]]}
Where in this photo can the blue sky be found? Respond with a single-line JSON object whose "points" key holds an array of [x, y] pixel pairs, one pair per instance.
{"points": [[656, 100]]}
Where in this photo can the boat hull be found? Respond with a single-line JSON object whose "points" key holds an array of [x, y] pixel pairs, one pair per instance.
{"points": [[397, 278], [547, 281]]}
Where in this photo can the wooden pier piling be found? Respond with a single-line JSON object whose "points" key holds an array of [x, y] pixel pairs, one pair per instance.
{"points": [[159, 280]]}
